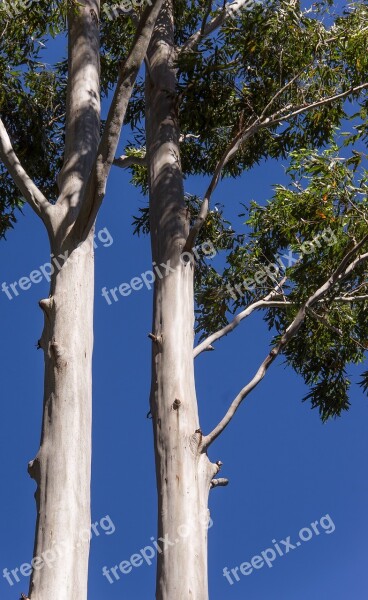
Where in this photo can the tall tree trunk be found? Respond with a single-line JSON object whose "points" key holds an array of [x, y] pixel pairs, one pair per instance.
{"points": [[63, 464], [183, 471], [62, 467]]}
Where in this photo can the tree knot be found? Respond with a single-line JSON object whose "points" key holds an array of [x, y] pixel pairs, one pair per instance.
{"points": [[34, 469], [57, 353], [195, 441], [220, 482], [46, 305]]}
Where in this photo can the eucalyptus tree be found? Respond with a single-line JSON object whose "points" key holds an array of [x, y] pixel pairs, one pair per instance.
{"points": [[67, 206], [207, 88]]}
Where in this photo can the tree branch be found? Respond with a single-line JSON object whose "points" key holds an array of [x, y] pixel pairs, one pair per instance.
{"points": [[220, 482], [202, 215], [124, 161], [264, 303], [283, 89], [350, 299], [24, 183], [277, 117], [96, 186], [341, 272], [221, 16], [361, 258]]}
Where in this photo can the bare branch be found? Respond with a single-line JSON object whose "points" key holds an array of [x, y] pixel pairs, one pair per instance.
{"points": [[206, 344], [283, 89], [229, 152], [341, 272], [124, 161], [264, 303], [220, 482], [217, 21], [96, 186], [279, 116], [351, 298], [25, 184], [187, 136], [361, 258]]}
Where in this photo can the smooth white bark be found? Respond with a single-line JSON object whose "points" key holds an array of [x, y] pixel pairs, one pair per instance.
{"points": [[184, 473], [63, 463]]}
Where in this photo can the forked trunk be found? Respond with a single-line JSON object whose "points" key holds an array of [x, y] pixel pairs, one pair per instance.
{"points": [[184, 472], [63, 463]]}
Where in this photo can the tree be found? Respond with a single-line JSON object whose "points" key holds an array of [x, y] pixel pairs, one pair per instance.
{"points": [[224, 87]]}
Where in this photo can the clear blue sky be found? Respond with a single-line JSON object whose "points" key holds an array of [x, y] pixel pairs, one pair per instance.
{"points": [[286, 469]]}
